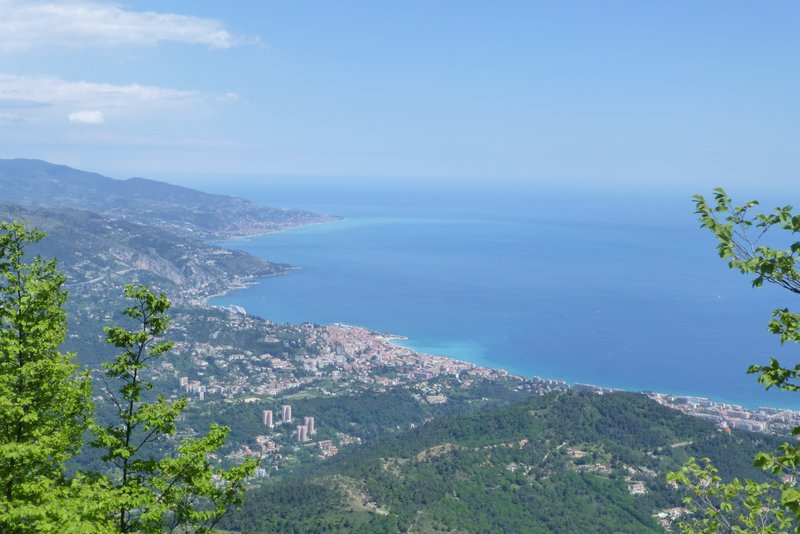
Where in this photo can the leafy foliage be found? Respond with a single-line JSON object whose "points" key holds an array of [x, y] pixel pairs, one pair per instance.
{"points": [[748, 506], [736, 506], [44, 405], [154, 485], [160, 491]]}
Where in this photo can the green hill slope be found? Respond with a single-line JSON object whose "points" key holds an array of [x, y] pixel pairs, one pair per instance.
{"points": [[559, 463]]}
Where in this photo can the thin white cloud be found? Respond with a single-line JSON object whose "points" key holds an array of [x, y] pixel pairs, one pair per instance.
{"points": [[10, 118], [49, 100], [40, 91], [87, 117], [81, 24]]}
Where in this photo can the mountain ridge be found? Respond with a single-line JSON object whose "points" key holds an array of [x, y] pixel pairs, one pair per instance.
{"points": [[181, 210]]}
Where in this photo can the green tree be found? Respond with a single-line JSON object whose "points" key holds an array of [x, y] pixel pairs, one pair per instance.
{"points": [[155, 483], [158, 486], [747, 506], [44, 403]]}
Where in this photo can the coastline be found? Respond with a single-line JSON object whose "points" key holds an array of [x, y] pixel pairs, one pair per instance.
{"points": [[385, 347], [601, 388], [726, 415], [245, 237], [393, 338], [688, 397], [244, 282]]}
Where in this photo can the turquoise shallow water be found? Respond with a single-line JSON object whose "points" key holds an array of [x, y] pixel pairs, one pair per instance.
{"points": [[620, 291]]}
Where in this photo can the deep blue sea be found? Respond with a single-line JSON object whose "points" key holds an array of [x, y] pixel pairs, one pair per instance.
{"points": [[615, 289]]}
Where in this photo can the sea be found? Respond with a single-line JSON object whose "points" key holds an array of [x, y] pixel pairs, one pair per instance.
{"points": [[618, 289]]}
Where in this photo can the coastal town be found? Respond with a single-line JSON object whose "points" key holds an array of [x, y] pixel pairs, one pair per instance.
{"points": [[729, 416], [223, 357], [270, 359], [227, 356]]}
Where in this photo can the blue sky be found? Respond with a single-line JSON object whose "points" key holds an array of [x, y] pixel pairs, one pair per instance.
{"points": [[611, 94]]}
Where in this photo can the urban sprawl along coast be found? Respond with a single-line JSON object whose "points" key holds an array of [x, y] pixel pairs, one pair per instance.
{"points": [[223, 356]]}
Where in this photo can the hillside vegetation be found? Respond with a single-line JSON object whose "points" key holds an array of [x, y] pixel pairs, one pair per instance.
{"points": [[564, 462]]}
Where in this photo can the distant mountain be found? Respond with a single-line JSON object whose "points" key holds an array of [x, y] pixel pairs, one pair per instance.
{"points": [[561, 463], [183, 211], [98, 253]]}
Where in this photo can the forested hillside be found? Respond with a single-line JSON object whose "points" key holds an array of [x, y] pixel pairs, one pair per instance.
{"points": [[564, 462]]}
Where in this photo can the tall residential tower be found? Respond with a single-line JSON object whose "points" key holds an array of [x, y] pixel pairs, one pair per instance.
{"points": [[266, 418]]}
